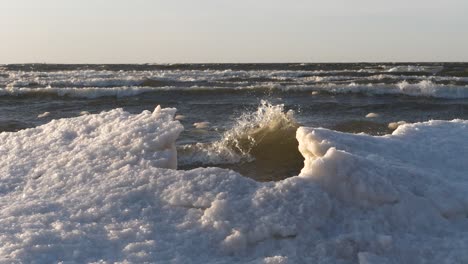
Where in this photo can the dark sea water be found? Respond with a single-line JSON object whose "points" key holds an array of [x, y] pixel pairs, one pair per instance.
{"points": [[247, 114]]}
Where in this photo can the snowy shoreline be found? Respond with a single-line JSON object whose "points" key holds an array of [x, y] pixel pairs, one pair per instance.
{"points": [[103, 188]]}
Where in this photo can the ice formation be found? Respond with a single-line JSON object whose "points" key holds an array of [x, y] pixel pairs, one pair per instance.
{"points": [[395, 125], [201, 125], [372, 115], [179, 117], [45, 114], [104, 188]]}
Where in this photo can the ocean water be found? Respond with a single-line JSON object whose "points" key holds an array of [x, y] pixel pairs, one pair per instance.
{"points": [[243, 110], [234, 163]]}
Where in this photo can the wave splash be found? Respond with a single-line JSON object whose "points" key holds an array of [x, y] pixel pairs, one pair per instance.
{"points": [[260, 143]]}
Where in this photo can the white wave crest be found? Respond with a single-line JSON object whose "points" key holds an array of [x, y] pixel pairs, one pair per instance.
{"points": [[88, 92], [416, 68], [424, 88], [87, 83], [251, 135]]}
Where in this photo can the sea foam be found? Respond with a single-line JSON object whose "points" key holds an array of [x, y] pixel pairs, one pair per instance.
{"points": [[94, 83]]}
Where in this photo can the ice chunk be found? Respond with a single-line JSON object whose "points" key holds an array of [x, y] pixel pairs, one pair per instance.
{"points": [[395, 125], [201, 125], [45, 114], [372, 115], [179, 117]]}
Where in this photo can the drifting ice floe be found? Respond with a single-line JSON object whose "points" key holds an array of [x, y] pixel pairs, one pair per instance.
{"points": [[104, 187], [45, 114], [372, 115], [201, 125], [179, 117]]}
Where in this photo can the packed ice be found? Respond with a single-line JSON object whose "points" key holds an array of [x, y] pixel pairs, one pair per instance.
{"points": [[105, 188]]}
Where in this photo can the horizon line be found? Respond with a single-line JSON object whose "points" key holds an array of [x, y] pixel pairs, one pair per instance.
{"points": [[201, 63]]}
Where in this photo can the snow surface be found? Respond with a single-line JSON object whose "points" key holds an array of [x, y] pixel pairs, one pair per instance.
{"points": [[399, 198], [103, 188]]}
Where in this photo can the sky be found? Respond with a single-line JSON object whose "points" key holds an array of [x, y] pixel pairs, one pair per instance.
{"points": [[202, 31]]}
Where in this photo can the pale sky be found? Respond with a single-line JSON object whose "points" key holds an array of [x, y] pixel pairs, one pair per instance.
{"points": [[176, 31]]}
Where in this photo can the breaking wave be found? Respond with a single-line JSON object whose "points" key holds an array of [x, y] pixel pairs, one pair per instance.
{"points": [[87, 92], [92, 81], [423, 88], [263, 142]]}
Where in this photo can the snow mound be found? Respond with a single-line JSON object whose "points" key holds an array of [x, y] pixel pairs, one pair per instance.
{"points": [[406, 190], [103, 188]]}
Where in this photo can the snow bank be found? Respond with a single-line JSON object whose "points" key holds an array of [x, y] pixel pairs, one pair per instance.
{"points": [[59, 180], [103, 188], [406, 191], [96, 188]]}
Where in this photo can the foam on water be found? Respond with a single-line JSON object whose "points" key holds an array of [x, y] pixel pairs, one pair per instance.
{"points": [[88, 92], [413, 80], [416, 68], [422, 89], [103, 188]]}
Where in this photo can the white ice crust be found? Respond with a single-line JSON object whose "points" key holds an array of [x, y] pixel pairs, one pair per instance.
{"points": [[104, 188], [399, 198]]}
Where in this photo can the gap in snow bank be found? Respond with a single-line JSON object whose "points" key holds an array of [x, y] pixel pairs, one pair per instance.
{"points": [[261, 145], [102, 189]]}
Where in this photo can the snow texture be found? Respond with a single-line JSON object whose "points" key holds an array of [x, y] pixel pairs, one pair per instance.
{"points": [[104, 188]]}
